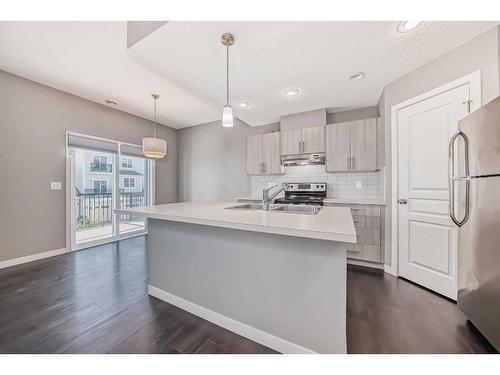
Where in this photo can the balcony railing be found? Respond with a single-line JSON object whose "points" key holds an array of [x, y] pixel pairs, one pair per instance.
{"points": [[96, 209], [102, 168]]}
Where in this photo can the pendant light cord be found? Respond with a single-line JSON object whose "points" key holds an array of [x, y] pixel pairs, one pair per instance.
{"points": [[154, 120], [227, 75]]}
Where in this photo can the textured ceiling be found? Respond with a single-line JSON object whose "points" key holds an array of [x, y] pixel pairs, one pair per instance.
{"points": [[184, 62]]}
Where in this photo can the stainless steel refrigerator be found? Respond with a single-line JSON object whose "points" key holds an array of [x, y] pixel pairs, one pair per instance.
{"points": [[475, 208]]}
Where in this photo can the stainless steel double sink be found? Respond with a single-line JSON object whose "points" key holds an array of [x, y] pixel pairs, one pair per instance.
{"points": [[292, 209]]}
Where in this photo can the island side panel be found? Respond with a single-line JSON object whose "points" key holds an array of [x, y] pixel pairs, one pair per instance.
{"points": [[289, 287]]}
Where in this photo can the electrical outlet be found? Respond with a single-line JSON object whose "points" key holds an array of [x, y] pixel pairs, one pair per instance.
{"points": [[358, 185], [55, 185]]}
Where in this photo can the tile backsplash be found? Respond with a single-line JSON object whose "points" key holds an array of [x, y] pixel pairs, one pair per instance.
{"points": [[359, 185]]}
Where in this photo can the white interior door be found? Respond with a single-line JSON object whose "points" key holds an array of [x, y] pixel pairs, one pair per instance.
{"points": [[427, 236]]}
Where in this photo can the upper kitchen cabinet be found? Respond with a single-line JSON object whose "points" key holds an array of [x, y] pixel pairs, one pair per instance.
{"points": [[303, 133], [352, 146], [263, 154], [364, 145], [291, 141], [338, 147], [313, 139], [303, 141]]}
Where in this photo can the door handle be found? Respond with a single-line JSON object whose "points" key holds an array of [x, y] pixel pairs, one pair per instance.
{"points": [[402, 201], [354, 163], [348, 163], [452, 178]]}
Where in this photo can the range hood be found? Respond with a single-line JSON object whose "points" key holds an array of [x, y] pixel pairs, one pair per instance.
{"points": [[303, 159]]}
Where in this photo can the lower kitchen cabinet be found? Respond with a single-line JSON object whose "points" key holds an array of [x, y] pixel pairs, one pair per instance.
{"points": [[368, 224]]}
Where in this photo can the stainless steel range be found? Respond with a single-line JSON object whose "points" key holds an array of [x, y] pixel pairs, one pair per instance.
{"points": [[311, 193]]}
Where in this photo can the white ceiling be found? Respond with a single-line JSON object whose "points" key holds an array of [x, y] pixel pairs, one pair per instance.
{"points": [[184, 62]]}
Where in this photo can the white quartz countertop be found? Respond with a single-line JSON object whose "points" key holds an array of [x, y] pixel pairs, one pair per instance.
{"points": [[331, 223], [353, 201]]}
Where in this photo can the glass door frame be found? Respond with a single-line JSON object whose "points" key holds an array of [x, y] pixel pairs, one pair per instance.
{"points": [[148, 192], [71, 244]]}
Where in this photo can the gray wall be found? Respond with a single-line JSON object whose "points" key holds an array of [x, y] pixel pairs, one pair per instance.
{"points": [[33, 121], [212, 161], [352, 115], [480, 53]]}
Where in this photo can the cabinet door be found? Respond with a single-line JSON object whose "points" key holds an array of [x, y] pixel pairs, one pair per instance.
{"points": [[271, 153], [290, 141], [254, 154], [313, 139], [364, 145], [338, 150]]}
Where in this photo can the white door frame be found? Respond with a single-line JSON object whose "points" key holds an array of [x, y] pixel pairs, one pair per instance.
{"points": [[70, 237], [474, 81]]}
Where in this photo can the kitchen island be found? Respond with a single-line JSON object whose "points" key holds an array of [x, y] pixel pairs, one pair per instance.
{"points": [[276, 278]]}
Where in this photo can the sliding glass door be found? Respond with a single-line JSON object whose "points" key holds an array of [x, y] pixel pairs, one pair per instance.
{"points": [[135, 191], [93, 195], [104, 175]]}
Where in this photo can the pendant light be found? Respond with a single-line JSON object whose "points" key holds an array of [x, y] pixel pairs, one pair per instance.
{"points": [[227, 39], [154, 148]]}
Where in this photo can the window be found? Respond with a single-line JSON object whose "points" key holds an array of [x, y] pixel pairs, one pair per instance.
{"points": [[100, 164], [127, 163], [100, 186], [129, 182], [100, 159]]}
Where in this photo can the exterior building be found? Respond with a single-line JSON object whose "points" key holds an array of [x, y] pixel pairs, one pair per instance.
{"points": [[94, 173]]}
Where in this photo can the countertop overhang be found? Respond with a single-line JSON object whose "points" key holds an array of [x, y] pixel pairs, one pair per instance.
{"points": [[331, 223]]}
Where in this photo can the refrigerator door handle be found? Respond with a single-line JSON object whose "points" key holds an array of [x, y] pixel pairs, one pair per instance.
{"points": [[452, 178]]}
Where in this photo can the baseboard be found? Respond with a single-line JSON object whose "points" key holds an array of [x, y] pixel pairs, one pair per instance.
{"points": [[252, 333], [388, 269], [31, 258], [364, 263]]}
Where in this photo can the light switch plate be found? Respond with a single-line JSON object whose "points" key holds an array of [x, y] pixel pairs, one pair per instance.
{"points": [[358, 184], [55, 185]]}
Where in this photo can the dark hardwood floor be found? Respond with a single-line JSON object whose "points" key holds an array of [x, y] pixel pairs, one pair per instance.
{"points": [[95, 301], [389, 315]]}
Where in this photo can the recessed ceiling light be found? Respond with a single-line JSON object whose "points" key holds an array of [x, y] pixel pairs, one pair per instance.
{"points": [[244, 104], [356, 76], [291, 92], [405, 26], [110, 102]]}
